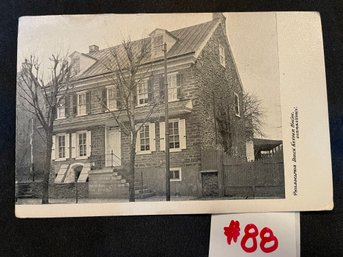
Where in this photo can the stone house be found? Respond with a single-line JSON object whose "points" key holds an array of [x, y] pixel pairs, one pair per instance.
{"points": [[88, 142]]}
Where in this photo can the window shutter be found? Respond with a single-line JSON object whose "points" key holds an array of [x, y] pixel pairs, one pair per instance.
{"points": [[138, 141], [67, 148], [54, 113], [88, 102], [152, 141], [182, 132], [179, 78], [162, 135], [66, 105], [135, 98], [74, 103], [73, 145], [161, 84], [53, 153], [89, 143], [119, 98], [150, 90], [103, 99]]}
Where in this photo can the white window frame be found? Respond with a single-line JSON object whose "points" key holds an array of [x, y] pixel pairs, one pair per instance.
{"points": [[79, 94], [178, 126], [172, 87], [237, 107], [182, 135], [152, 139], [222, 55], [180, 174], [143, 96], [57, 147], [108, 100], [78, 156], [60, 108]]}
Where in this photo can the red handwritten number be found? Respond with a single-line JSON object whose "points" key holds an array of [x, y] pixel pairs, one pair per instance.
{"points": [[249, 235], [266, 239], [232, 231]]}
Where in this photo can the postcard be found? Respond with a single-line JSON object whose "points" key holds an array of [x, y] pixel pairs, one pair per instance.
{"points": [[143, 114]]}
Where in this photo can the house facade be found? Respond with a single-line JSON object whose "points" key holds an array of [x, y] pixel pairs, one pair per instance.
{"points": [[88, 142]]}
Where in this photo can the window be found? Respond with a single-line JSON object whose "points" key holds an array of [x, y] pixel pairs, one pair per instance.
{"points": [[61, 108], [177, 135], [144, 138], [221, 55], [142, 93], [81, 104], [172, 87], [82, 146], [237, 109], [174, 138], [157, 42], [61, 147], [111, 99], [145, 143], [175, 174]]}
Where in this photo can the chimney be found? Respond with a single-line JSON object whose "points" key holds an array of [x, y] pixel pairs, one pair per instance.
{"points": [[26, 65], [93, 48], [220, 16]]}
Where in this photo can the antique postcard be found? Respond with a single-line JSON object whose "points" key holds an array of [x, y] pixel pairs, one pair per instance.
{"points": [[143, 114]]}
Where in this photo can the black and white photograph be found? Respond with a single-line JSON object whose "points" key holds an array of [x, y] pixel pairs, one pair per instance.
{"points": [[143, 110]]}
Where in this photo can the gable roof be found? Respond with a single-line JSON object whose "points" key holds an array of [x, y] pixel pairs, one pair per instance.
{"points": [[189, 40]]}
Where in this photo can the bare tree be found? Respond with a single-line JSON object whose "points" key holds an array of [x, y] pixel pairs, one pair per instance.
{"points": [[43, 100], [253, 114], [127, 73]]}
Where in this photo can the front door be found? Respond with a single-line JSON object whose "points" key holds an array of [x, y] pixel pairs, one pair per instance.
{"points": [[113, 147]]}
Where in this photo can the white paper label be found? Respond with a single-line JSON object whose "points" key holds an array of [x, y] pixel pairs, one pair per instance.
{"points": [[255, 234]]}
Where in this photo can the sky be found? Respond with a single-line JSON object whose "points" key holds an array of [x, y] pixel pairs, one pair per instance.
{"points": [[252, 37]]}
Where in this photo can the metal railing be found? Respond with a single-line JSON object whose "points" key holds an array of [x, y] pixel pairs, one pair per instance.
{"points": [[106, 160]]}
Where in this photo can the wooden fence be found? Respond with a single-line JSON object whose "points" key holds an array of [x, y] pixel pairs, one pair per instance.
{"points": [[240, 178]]}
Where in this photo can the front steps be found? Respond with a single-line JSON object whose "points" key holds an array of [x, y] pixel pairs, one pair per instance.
{"points": [[106, 183]]}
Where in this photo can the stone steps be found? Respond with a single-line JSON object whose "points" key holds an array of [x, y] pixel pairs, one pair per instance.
{"points": [[112, 183]]}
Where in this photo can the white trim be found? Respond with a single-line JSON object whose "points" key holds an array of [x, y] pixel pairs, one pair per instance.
{"points": [[78, 104], [57, 147], [180, 174], [169, 79], [113, 88], [78, 157], [222, 55], [181, 134], [152, 141], [61, 107], [146, 84], [73, 145], [53, 152], [238, 104]]}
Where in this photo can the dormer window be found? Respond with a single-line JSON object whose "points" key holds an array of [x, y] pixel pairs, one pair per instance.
{"points": [[157, 46], [158, 38]]}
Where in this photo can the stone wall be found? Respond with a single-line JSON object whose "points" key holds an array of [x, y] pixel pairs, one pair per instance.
{"points": [[31, 189], [227, 79], [98, 146], [68, 190]]}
